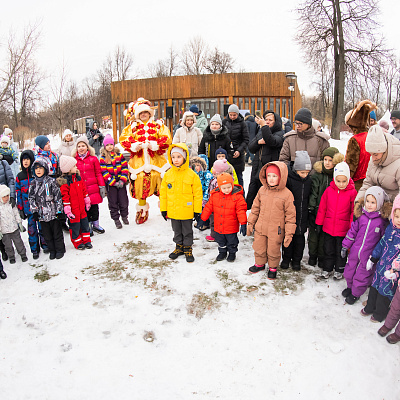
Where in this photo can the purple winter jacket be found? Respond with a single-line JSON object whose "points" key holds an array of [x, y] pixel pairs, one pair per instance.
{"points": [[361, 239]]}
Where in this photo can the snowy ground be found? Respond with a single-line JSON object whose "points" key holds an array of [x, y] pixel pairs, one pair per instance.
{"points": [[120, 321]]}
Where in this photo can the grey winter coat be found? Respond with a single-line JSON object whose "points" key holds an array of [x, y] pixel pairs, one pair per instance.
{"points": [[7, 177], [45, 196]]}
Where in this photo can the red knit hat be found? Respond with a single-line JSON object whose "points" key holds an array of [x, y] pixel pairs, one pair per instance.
{"points": [[273, 169], [224, 179]]}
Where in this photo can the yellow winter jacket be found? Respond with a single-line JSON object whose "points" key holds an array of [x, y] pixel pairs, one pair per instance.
{"points": [[181, 193]]}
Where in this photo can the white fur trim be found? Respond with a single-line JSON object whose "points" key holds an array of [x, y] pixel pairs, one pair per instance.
{"points": [[143, 107], [135, 147], [153, 145]]}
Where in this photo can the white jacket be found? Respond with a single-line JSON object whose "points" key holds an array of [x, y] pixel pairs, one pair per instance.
{"points": [[9, 218]]}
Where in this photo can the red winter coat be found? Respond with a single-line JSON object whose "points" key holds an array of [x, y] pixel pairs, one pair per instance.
{"points": [[89, 168], [73, 192], [229, 210], [335, 212]]}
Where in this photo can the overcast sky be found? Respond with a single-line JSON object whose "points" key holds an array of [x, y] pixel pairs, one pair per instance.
{"points": [[258, 34]]}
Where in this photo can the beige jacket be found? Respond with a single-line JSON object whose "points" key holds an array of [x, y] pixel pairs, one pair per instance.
{"points": [[192, 137]]}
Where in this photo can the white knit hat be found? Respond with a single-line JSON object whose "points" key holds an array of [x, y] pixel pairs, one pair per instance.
{"points": [[341, 169], [66, 132], [5, 138], [4, 191], [67, 163], [376, 141]]}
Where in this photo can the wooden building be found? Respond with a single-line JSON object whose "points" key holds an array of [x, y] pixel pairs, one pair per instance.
{"points": [[174, 95]]}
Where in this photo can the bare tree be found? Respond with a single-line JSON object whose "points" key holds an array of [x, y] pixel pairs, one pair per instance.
{"points": [[218, 62], [346, 32], [194, 56], [117, 66]]}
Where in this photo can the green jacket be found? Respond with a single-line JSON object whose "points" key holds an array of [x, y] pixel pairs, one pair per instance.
{"points": [[201, 122]]}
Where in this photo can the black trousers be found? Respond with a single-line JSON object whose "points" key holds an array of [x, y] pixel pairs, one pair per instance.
{"points": [[93, 213], [118, 202], [183, 231], [295, 249], [53, 235], [377, 304], [332, 248], [227, 242], [254, 187]]}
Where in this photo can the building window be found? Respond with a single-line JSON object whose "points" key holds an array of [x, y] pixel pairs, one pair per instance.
{"points": [[272, 104], [278, 106], [253, 105], [284, 110], [258, 108]]}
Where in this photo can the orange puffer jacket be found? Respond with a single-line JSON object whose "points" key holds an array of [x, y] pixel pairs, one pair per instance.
{"points": [[229, 210]]}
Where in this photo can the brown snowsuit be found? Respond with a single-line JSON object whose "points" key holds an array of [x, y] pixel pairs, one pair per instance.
{"points": [[273, 216]]}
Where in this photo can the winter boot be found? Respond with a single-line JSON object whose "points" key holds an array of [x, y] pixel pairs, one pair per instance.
{"points": [[221, 256], [346, 292], [337, 275], [325, 274], [285, 264], [59, 255], [81, 247], [296, 266], [35, 256], [142, 213], [210, 239], [24, 258], [231, 257], [89, 245], [256, 268], [177, 252], [312, 260], [125, 220], [3, 275], [383, 331], [97, 228], [350, 299], [272, 273], [52, 255], [118, 224], [393, 338], [364, 313], [4, 255], [46, 250], [188, 253]]}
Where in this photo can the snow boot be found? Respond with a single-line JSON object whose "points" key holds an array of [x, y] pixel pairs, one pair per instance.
{"points": [[285, 264], [364, 313], [188, 253], [97, 228], [350, 299], [81, 247], [337, 275], [296, 266], [12, 261], [118, 224], [346, 292], [221, 256], [272, 273], [210, 239], [3, 275], [52, 255], [231, 257], [393, 338], [177, 252], [312, 260], [35, 256], [46, 250], [256, 268], [125, 220], [89, 245], [383, 331], [59, 255], [325, 274], [24, 258], [4, 255]]}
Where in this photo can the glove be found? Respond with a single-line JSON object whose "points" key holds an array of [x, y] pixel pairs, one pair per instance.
{"points": [[103, 192], [21, 227], [200, 223], [12, 202], [243, 229], [87, 203], [196, 216], [343, 252], [369, 265], [35, 216], [250, 229], [164, 215], [390, 275], [287, 241], [22, 214], [68, 212], [318, 229], [61, 217]]}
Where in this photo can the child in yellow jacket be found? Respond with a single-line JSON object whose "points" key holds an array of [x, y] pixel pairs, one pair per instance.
{"points": [[181, 197]]}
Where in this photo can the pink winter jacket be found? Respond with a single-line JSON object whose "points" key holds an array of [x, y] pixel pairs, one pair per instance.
{"points": [[89, 168], [335, 212]]}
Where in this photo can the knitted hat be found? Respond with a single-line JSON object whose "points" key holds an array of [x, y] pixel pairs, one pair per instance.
{"points": [[5, 138], [330, 152], [395, 114], [273, 169], [372, 115], [221, 151], [233, 108], [67, 163], [379, 194], [216, 118], [194, 109], [83, 139], [384, 124], [316, 124], [66, 132], [179, 150], [396, 205], [358, 117], [8, 131], [108, 140], [304, 115], [41, 141], [4, 191], [219, 166], [342, 169], [224, 179], [302, 162], [376, 141]]}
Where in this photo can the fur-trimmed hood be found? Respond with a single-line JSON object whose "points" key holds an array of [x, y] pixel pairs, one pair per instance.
{"points": [[337, 158], [198, 160], [66, 178], [90, 148], [385, 210]]}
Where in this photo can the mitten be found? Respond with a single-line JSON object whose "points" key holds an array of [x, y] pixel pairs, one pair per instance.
{"points": [[200, 223], [343, 252], [12, 202], [318, 229], [287, 241], [390, 275], [21, 227], [103, 192], [87, 203], [68, 212], [35, 216], [164, 215], [22, 214], [61, 217], [119, 185], [369, 265], [243, 229], [250, 229], [196, 216]]}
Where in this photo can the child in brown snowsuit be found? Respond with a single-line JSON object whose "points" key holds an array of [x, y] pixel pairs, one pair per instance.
{"points": [[273, 216]]}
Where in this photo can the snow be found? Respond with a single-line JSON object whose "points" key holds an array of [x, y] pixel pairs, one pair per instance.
{"points": [[80, 335]]}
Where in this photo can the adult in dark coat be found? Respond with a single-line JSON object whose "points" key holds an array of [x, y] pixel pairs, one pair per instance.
{"points": [[95, 138], [237, 130], [266, 147], [252, 127], [214, 137]]}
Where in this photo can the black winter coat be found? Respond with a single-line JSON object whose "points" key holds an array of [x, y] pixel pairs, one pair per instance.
{"points": [[252, 126], [301, 189], [7, 177], [270, 150], [237, 130], [210, 143]]}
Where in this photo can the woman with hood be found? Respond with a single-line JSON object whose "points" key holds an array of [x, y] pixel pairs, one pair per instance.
{"points": [[95, 138], [266, 146], [188, 133]]}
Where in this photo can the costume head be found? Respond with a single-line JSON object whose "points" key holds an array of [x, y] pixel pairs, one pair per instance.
{"points": [[358, 118]]}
